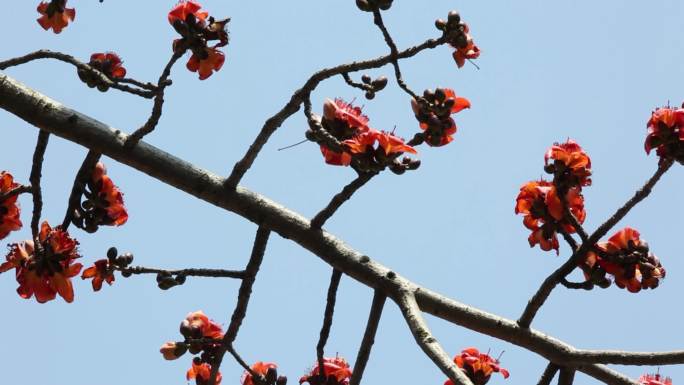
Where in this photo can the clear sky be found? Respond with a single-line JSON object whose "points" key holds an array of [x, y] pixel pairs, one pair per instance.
{"points": [[588, 70]]}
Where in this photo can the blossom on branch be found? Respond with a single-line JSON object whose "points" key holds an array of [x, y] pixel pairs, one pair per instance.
{"points": [[654, 379], [198, 325], [104, 205], [343, 121], [571, 166], [173, 350], [260, 368], [109, 64], [627, 258], [201, 372], [477, 366], [206, 62], [434, 111], [458, 36], [55, 15], [544, 212], [336, 371], [666, 133], [46, 270], [101, 271], [9, 208]]}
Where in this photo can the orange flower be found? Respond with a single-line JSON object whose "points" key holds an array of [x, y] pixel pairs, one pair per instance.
{"points": [[477, 366], [627, 258], [100, 272], [539, 202], [206, 62], [48, 272], [666, 133], [335, 158], [434, 111], [104, 205], [9, 208], [260, 368], [55, 15], [343, 121], [172, 350], [334, 368], [187, 11], [466, 49], [108, 63], [654, 379], [198, 325], [201, 372], [365, 142], [571, 167]]}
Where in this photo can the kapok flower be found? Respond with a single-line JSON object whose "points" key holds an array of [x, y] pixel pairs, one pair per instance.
{"points": [[55, 15], [654, 379], [465, 48], [104, 203], [260, 368], [434, 111], [543, 209], [627, 258], [477, 366], [666, 133], [197, 29], [571, 166], [335, 369], [198, 325], [206, 63], [388, 142], [343, 121], [101, 271], [201, 372], [172, 350], [48, 271], [9, 208], [109, 64]]}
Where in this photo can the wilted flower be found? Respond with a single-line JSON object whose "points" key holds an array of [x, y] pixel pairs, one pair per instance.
{"points": [[336, 371], [477, 366], [55, 15], [172, 350]]}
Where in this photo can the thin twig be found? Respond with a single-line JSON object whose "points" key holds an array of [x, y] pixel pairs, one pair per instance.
{"points": [[368, 337], [22, 189], [319, 220], [548, 374], [361, 86], [335, 278], [275, 121], [34, 178], [568, 238], [84, 173], [244, 294], [586, 285], [414, 318], [607, 375], [377, 19], [153, 120], [566, 376], [192, 272], [538, 299], [101, 77]]}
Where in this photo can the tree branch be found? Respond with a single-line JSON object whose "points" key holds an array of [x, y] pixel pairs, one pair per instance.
{"points": [[84, 173], [566, 376], [192, 272], [377, 19], [368, 337], [319, 220], [548, 374], [335, 278], [36, 170]]}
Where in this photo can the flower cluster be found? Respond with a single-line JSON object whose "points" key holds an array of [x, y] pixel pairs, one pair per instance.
{"points": [[202, 336], [197, 28], [545, 204], [374, 5], [627, 258], [108, 63], [458, 36], [103, 269], [373, 150], [45, 269], [654, 379], [268, 371], [666, 133], [55, 15], [9, 208], [336, 371], [104, 204], [477, 366], [434, 111]]}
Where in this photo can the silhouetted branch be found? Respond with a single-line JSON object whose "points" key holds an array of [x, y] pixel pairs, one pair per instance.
{"points": [[327, 318], [84, 173], [377, 19], [23, 189], [319, 220], [368, 337], [191, 272], [548, 374], [566, 376], [36, 173]]}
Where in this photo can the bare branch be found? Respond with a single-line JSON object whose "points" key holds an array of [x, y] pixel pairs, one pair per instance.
{"points": [[335, 278], [23, 189], [566, 376], [84, 173], [548, 374], [36, 170], [319, 220], [414, 318], [368, 337], [377, 19], [192, 272], [607, 375]]}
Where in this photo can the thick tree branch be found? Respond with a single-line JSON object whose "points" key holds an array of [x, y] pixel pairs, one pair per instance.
{"points": [[46, 114], [368, 340], [549, 373], [414, 318], [566, 376]]}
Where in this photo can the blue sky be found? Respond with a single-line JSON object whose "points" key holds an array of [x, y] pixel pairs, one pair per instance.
{"points": [[592, 71]]}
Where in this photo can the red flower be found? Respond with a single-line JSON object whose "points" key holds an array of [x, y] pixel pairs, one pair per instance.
{"points": [[627, 258], [172, 350], [9, 209], [104, 203], [48, 272], [187, 11], [365, 142], [571, 167], [466, 51], [654, 379], [260, 368], [100, 272], [55, 15], [108, 63], [201, 372], [351, 117], [335, 368], [477, 366], [666, 133], [434, 111], [198, 325], [544, 213], [208, 61]]}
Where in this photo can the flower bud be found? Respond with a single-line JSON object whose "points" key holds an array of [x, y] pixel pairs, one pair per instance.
{"points": [[172, 350]]}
